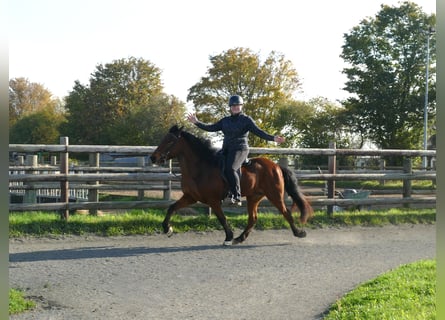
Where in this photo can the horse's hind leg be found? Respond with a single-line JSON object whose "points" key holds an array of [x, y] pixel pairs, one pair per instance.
{"points": [[287, 214], [300, 233], [183, 202], [252, 209]]}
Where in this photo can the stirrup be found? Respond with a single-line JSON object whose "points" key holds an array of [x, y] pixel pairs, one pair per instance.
{"points": [[233, 202]]}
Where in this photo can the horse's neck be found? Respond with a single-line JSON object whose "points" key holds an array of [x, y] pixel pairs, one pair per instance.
{"points": [[189, 163]]}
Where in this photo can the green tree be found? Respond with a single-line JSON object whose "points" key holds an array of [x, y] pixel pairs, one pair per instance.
{"points": [[40, 127], [264, 85], [386, 73], [117, 91], [323, 126], [27, 97], [294, 117], [82, 124], [147, 124]]}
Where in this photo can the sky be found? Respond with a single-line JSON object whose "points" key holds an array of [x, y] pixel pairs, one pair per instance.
{"points": [[55, 42]]}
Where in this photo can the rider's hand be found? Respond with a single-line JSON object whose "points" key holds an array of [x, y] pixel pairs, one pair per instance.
{"points": [[192, 117], [279, 139]]}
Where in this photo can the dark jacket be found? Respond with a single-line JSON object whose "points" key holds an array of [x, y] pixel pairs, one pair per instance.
{"points": [[236, 129]]}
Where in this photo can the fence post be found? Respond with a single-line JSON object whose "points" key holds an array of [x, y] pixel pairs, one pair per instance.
{"points": [[20, 160], [297, 163], [93, 194], [64, 185], [331, 183], [433, 167], [31, 194], [382, 167], [141, 163], [407, 186]]}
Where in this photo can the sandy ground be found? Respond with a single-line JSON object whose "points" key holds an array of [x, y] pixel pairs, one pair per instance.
{"points": [[192, 276]]}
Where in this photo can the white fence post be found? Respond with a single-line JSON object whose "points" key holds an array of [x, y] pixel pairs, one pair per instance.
{"points": [[64, 184], [331, 183], [382, 166], [93, 194], [407, 185], [141, 163]]}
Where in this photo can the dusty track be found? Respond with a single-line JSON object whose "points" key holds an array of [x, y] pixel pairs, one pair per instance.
{"points": [[192, 276]]}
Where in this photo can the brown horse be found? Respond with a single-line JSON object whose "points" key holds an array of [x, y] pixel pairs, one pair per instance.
{"points": [[202, 181]]}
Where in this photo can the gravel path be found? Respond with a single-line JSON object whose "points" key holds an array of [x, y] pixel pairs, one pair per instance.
{"points": [[192, 276]]}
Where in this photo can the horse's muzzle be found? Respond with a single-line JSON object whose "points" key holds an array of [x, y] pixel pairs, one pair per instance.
{"points": [[154, 159], [157, 158]]}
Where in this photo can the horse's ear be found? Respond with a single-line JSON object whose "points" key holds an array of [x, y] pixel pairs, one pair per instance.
{"points": [[175, 129], [179, 131]]}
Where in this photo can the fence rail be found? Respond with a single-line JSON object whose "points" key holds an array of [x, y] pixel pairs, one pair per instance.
{"points": [[66, 177]]}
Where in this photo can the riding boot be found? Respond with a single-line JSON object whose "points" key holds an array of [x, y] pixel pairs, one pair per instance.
{"points": [[234, 160], [233, 201]]}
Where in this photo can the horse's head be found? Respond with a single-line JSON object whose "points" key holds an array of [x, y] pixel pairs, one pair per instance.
{"points": [[167, 149]]}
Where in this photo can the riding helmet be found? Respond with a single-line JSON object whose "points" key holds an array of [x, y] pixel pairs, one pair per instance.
{"points": [[235, 100]]}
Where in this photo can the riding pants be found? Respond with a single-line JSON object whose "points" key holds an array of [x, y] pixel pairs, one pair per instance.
{"points": [[234, 160]]}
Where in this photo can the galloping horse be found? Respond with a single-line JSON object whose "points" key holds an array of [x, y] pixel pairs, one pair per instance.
{"points": [[202, 180]]}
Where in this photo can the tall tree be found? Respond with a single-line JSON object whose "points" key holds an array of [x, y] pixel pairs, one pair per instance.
{"points": [[117, 91], [27, 97], [264, 85], [386, 73], [147, 124], [322, 126], [294, 117], [40, 127]]}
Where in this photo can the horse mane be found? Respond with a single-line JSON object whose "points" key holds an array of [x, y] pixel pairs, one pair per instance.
{"points": [[201, 147]]}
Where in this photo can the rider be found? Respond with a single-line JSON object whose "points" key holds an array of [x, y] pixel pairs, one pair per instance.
{"points": [[235, 128]]}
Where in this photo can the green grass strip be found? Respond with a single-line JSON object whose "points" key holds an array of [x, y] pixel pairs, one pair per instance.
{"points": [[139, 222], [408, 292]]}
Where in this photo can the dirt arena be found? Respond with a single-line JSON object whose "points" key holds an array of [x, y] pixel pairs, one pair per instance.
{"points": [[192, 276]]}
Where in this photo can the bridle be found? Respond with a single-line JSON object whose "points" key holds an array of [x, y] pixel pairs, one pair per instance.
{"points": [[164, 155]]}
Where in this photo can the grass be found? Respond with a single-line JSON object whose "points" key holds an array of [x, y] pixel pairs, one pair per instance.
{"points": [[374, 218], [149, 221], [408, 292], [18, 303]]}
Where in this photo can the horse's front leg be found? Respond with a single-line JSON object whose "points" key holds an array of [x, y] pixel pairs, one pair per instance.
{"points": [[183, 202], [217, 209]]}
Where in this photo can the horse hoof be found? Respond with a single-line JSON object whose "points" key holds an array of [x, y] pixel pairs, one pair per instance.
{"points": [[301, 234], [238, 240], [169, 232], [227, 243]]}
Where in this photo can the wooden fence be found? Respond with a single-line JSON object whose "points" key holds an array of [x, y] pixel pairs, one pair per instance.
{"points": [[69, 179]]}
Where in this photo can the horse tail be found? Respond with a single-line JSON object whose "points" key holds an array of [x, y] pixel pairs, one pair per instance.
{"points": [[299, 199]]}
